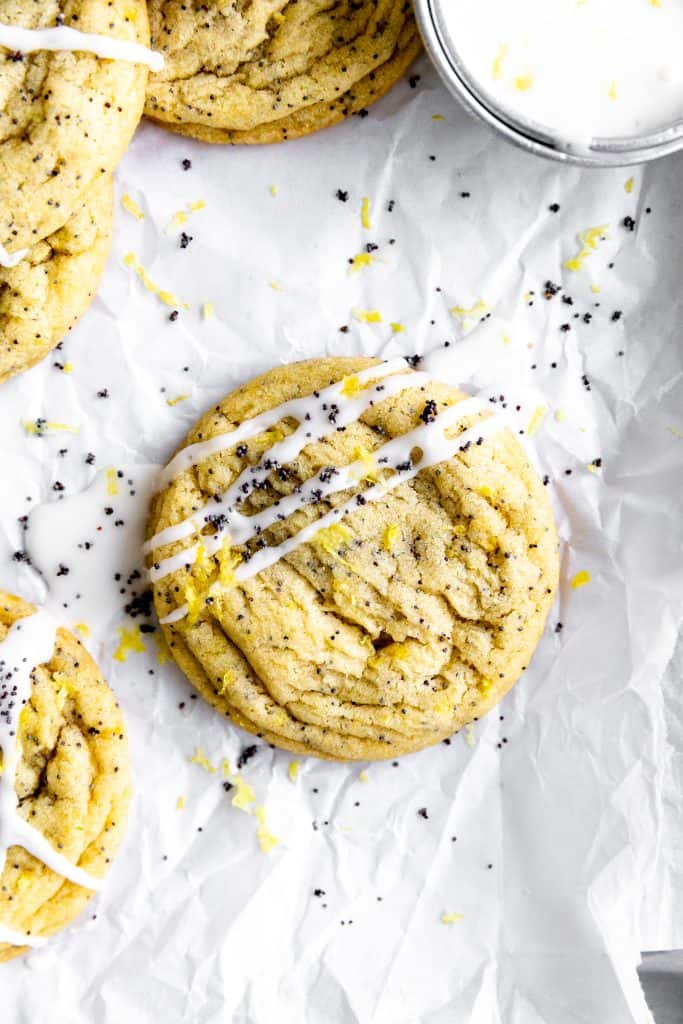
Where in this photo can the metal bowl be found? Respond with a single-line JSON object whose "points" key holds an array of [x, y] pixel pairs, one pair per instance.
{"points": [[597, 152]]}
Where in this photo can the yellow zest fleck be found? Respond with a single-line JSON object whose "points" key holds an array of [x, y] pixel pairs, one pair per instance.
{"points": [[179, 218], [580, 580], [351, 386], [200, 758], [177, 400], [129, 204], [438, 117], [195, 602], [675, 432], [40, 427], [480, 308], [68, 368], [391, 535], [228, 560], [560, 416], [628, 186], [497, 64], [362, 259], [536, 420], [198, 204], [365, 213], [612, 91], [130, 643], [470, 739], [485, 491], [180, 803], [397, 327], [83, 629], [524, 82], [368, 461], [506, 339], [367, 316], [596, 289], [112, 483], [267, 841], [168, 298], [273, 190], [363, 777], [244, 796], [589, 242], [451, 918], [207, 310], [293, 770]]}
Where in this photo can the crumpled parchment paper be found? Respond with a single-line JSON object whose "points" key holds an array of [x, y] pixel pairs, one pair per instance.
{"points": [[554, 827]]}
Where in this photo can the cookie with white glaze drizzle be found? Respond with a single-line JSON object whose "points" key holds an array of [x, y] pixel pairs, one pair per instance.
{"points": [[274, 70], [65, 781], [47, 292], [66, 116], [350, 559]]}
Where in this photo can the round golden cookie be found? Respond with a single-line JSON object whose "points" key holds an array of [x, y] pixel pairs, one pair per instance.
{"points": [[73, 783], [384, 633], [44, 296], [66, 118], [276, 69]]}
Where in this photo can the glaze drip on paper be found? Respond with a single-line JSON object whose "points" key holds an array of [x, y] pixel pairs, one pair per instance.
{"points": [[29, 642]]}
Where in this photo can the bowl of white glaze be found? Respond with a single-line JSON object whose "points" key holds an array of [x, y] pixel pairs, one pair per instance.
{"points": [[591, 82]]}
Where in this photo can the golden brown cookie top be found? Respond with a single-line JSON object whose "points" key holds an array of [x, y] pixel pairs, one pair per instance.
{"points": [[46, 293], [66, 118], [238, 67], [70, 769], [375, 565]]}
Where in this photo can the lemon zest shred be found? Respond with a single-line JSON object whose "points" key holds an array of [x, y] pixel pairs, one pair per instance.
{"points": [[365, 213], [497, 63], [580, 579], [293, 770], [168, 298], [589, 242], [267, 841], [451, 918], [112, 482], [397, 327], [360, 260], [177, 400], [83, 628], [390, 536], [200, 758], [130, 643], [207, 310], [180, 803], [367, 316], [129, 204], [536, 420]]}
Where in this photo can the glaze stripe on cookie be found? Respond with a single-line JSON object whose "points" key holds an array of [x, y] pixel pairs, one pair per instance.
{"points": [[9, 260], [63, 38], [240, 529], [318, 415], [29, 642]]}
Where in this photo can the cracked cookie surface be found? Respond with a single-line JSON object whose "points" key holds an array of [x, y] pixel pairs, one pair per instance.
{"points": [[44, 296], [73, 783], [272, 70], [387, 632], [66, 118]]}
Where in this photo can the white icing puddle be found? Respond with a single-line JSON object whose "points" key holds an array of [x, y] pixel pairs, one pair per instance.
{"points": [[88, 547]]}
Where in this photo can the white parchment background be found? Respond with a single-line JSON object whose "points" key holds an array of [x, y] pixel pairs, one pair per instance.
{"points": [[578, 813]]}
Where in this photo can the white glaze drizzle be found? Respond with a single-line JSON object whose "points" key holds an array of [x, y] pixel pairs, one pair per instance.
{"points": [[62, 37], [11, 259], [29, 642], [320, 416], [237, 529]]}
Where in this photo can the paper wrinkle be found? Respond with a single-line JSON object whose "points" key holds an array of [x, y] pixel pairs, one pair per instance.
{"points": [[579, 812]]}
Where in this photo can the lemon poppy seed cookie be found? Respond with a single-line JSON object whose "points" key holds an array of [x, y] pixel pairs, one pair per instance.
{"points": [[66, 115], [351, 559], [274, 69], [45, 294], [65, 782]]}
